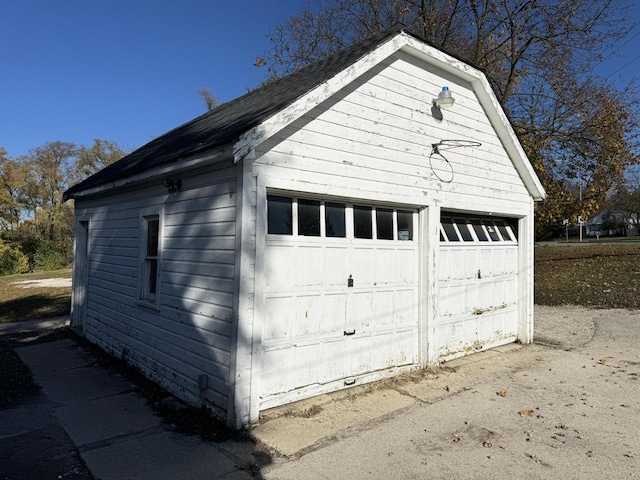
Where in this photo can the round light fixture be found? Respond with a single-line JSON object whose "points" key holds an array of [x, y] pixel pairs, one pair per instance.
{"points": [[444, 100]]}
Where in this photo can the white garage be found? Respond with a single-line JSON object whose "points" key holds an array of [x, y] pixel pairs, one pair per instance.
{"points": [[331, 228]]}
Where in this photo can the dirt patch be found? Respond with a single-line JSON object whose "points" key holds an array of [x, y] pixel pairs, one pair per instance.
{"points": [[44, 283]]}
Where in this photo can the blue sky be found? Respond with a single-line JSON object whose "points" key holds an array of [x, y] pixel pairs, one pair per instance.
{"points": [[123, 70], [129, 70]]}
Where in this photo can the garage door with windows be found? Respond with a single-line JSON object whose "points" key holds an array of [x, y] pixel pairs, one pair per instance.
{"points": [[340, 296], [477, 283]]}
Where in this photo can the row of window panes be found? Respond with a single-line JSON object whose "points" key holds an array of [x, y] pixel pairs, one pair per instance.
{"points": [[476, 229], [315, 218]]}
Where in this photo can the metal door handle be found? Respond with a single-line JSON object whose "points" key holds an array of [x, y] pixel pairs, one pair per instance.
{"points": [[349, 332]]}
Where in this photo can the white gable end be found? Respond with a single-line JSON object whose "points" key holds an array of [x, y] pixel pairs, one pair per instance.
{"points": [[426, 70], [375, 136]]}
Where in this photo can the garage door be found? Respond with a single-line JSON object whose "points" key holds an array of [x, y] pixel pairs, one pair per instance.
{"points": [[341, 295], [477, 284]]}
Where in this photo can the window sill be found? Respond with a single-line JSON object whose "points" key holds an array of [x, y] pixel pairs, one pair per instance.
{"points": [[148, 305]]}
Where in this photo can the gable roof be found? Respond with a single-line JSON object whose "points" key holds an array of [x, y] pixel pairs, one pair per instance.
{"points": [[238, 119]]}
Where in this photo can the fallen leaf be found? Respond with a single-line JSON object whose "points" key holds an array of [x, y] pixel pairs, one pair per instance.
{"points": [[625, 405], [602, 361], [502, 393], [526, 413]]}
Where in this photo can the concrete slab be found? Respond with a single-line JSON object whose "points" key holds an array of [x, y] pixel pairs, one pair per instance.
{"points": [[164, 455], [298, 430], [54, 356], [104, 418], [71, 386]]}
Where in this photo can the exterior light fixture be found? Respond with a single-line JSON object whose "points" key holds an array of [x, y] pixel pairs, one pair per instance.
{"points": [[172, 185], [444, 100]]}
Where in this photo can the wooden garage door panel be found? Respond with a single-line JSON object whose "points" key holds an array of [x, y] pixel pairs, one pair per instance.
{"points": [[280, 265], [308, 316], [335, 266], [478, 297], [379, 314], [278, 317]]}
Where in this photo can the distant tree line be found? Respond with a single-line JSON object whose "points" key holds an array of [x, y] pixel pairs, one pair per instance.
{"points": [[36, 228]]}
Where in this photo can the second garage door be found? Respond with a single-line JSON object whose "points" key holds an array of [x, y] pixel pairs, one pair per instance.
{"points": [[477, 284]]}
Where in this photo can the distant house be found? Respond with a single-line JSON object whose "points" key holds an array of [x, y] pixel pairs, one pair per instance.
{"points": [[328, 229], [610, 223]]}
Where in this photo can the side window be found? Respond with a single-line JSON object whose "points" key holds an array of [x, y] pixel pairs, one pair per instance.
{"points": [[151, 258]]}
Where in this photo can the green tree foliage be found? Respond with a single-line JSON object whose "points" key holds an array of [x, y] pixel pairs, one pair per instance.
{"points": [[12, 183], [538, 55], [12, 260], [33, 219]]}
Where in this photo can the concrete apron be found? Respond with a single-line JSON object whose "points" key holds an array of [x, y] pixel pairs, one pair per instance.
{"points": [[296, 429]]}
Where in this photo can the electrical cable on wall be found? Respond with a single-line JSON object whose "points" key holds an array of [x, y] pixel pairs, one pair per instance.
{"points": [[448, 144]]}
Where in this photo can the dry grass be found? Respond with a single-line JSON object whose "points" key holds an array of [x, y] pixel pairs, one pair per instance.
{"points": [[604, 275], [18, 303]]}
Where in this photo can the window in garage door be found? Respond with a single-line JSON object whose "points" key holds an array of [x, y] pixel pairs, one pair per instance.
{"points": [[476, 229], [315, 218]]}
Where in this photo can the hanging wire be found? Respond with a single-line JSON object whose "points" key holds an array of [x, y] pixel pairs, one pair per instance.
{"points": [[448, 144]]}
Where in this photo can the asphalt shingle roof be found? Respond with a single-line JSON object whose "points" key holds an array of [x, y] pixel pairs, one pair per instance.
{"points": [[227, 122]]}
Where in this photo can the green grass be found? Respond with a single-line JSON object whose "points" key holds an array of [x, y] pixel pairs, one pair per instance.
{"points": [[593, 275], [19, 304]]}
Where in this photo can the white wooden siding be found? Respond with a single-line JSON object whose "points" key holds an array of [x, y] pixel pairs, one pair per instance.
{"points": [[189, 334], [374, 139]]}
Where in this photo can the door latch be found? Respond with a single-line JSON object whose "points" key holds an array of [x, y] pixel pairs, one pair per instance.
{"points": [[349, 332], [350, 281]]}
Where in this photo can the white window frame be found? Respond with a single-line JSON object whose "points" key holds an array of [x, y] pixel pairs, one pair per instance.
{"points": [[146, 297], [457, 218], [349, 219]]}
